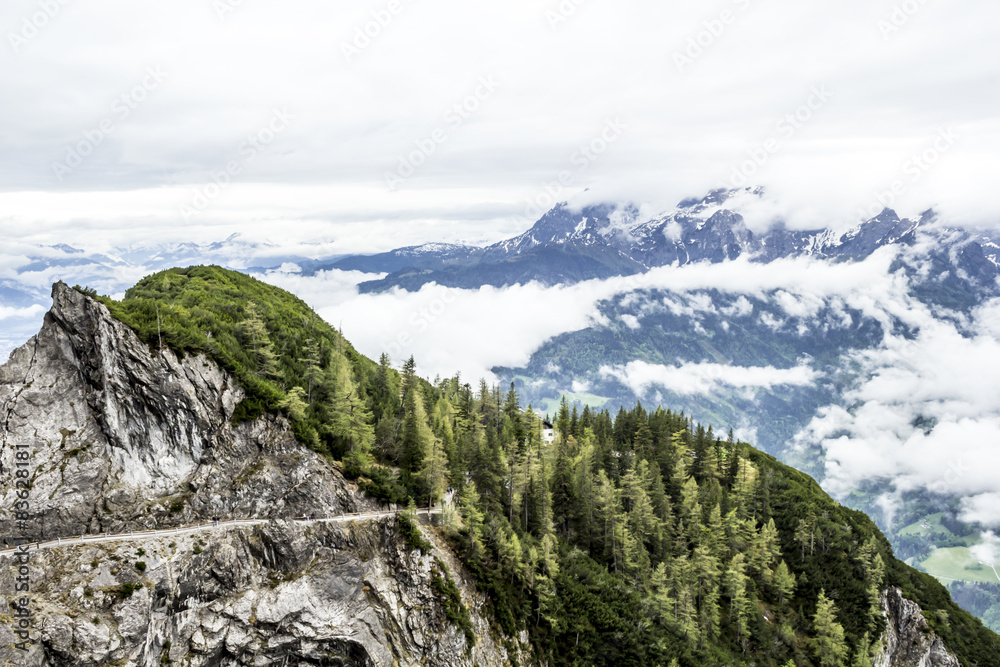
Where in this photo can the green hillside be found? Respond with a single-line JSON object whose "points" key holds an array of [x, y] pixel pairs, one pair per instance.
{"points": [[635, 539]]}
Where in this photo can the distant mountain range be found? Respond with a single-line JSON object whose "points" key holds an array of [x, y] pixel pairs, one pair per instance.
{"points": [[598, 241]]}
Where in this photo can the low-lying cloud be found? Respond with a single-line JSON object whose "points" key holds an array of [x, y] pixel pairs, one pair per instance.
{"points": [[706, 378]]}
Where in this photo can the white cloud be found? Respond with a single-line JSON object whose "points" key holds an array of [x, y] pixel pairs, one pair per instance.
{"points": [[226, 76], [471, 331], [740, 308], [923, 416], [988, 550], [706, 378], [982, 508], [7, 313]]}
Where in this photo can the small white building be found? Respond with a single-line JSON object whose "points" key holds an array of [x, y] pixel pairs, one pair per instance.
{"points": [[548, 433]]}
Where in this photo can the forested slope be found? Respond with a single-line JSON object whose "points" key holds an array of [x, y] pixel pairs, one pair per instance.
{"points": [[637, 539]]}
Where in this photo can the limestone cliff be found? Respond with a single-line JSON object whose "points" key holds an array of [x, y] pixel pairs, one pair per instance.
{"points": [[122, 437], [908, 639], [281, 593]]}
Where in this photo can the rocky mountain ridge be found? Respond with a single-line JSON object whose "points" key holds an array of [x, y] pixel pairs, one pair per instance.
{"points": [[617, 239], [125, 437]]}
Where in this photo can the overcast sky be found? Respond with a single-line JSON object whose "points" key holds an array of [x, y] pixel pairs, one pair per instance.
{"points": [[114, 114]]}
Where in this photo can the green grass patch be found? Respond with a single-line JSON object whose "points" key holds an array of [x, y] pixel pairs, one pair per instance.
{"points": [[955, 563]]}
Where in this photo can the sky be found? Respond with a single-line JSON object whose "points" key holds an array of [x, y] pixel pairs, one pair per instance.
{"points": [[332, 128], [369, 125]]}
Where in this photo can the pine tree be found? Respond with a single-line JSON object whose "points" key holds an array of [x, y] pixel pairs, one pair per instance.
{"points": [[736, 588], [563, 491], [294, 404], [434, 469], [563, 420], [350, 418], [874, 569], [643, 441], [417, 435], [660, 599], [260, 345], [473, 518], [805, 535], [684, 596], [862, 654], [766, 550], [784, 582], [706, 568], [313, 374], [829, 644], [409, 378], [691, 510]]}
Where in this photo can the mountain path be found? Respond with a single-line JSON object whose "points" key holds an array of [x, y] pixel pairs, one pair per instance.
{"points": [[197, 528]]}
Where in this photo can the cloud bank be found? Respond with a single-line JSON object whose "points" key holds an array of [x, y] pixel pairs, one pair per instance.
{"points": [[706, 378]]}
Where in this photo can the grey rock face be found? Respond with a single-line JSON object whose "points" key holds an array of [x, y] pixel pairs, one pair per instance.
{"points": [[122, 437], [281, 593], [908, 640]]}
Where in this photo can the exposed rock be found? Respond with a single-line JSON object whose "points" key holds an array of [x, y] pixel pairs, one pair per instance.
{"points": [[125, 437], [908, 640], [280, 593]]}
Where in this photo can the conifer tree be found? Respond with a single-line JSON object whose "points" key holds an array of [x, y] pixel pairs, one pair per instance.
{"points": [[766, 550], [261, 347], [434, 469], [350, 418], [862, 654], [874, 569], [417, 435], [661, 601], [784, 583], [294, 403], [736, 589], [313, 374], [829, 644], [473, 518]]}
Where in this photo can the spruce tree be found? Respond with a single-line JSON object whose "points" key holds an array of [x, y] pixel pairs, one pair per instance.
{"points": [[740, 607], [829, 644]]}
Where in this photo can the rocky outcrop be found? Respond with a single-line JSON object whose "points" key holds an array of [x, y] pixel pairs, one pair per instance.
{"points": [[274, 594], [908, 640], [124, 437]]}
